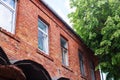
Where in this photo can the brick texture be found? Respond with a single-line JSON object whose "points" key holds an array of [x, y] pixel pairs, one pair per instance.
{"points": [[24, 43]]}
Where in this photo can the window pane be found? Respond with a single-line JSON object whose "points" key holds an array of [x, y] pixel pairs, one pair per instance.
{"points": [[82, 68], [42, 26], [46, 43], [92, 70], [40, 40], [6, 18], [92, 74], [64, 57], [10, 2], [63, 43], [81, 64]]}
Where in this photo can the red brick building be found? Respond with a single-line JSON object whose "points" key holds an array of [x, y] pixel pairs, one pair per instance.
{"points": [[36, 44]]}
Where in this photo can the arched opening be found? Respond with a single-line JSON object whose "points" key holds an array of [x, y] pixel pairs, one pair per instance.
{"points": [[33, 70], [7, 70], [63, 78], [21, 70]]}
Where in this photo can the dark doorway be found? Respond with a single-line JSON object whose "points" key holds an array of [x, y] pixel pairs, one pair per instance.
{"points": [[33, 70]]}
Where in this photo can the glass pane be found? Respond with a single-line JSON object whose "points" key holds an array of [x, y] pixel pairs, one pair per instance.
{"points": [[42, 26], [63, 43], [40, 40], [46, 43], [80, 56], [10, 2], [92, 74], [6, 18], [92, 71], [81, 64], [82, 68], [64, 57]]}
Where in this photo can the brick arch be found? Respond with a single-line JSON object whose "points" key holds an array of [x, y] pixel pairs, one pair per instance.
{"points": [[7, 70], [33, 70], [21, 70]]}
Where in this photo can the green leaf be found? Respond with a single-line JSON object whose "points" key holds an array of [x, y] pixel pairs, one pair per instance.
{"points": [[98, 24]]}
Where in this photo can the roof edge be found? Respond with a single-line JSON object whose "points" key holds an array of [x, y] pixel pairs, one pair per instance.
{"points": [[60, 18], [65, 23]]}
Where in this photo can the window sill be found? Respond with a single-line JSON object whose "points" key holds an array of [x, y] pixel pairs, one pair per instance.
{"points": [[66, 67], [9, 34], [45, 55]]}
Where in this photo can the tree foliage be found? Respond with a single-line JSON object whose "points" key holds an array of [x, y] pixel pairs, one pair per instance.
{"points": [[98, 23]]}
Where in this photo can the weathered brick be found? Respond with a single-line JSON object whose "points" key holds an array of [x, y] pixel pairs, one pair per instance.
{"points": [[26, 47]]}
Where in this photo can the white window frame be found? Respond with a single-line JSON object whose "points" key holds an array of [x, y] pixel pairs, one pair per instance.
{"points": [[65, 60], [14, 15], [46, 41]]}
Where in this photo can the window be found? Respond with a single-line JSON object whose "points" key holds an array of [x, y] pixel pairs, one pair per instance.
{"points": [[81, 62], [7, 15], [42, 36], [64, 50], [92, 68]]}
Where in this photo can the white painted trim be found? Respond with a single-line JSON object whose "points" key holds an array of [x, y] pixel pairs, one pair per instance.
{"points": [[15, 18]]}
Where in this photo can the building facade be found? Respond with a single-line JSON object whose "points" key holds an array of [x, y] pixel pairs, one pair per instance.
{"points": [[36, 44]]}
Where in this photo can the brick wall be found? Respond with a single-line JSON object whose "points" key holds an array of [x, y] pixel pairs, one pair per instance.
{"points": [[24, 43]]}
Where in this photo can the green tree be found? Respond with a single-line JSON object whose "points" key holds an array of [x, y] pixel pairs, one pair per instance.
{"points": [[98, 24]]}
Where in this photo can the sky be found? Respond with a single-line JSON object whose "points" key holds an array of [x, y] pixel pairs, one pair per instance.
{"points": [[61, 7]]}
